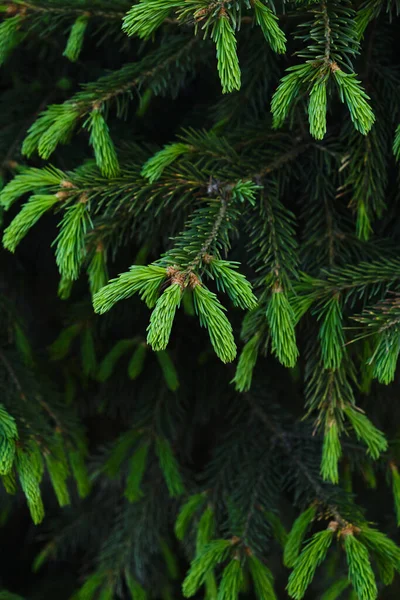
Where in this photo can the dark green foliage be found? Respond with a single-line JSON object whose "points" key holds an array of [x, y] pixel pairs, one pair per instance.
{"points": [[168, 370], [199, 299], [169, 467], [137, 465]]}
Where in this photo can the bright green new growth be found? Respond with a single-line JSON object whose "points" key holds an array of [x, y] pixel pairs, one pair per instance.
{"points": [[9, 483], [247, 362], [297, 534], [317, 108], [186, 513], [75, 39], [331, 453], [232, 192], [210, 586], [245, 191], [169, 467], [262, 579], [30, 474], [168, 370], [8, 437], [162, 317], [331, 333], [382, 548], [137, 466], [386, 355], [30, 213], [213, 553], [232, 581], [29, 180], [308, 561], [281, 321], [8, 426], [211, 315], [287, 92], [227, 60], [7, 454], [145, 281], [356, 99], [54, 126], [155, 166], [367, 432], [147, 16], [70, 242], [205, 529], [361, 574], [104, 150], [268, 22], [231, 282]]}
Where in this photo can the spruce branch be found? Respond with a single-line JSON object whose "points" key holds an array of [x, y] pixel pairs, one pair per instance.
{"points": [[56, 124], [325, 55], [321, 493]]}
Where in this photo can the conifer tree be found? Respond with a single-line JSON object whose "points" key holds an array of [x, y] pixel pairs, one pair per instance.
{"points": [[200, 299]]}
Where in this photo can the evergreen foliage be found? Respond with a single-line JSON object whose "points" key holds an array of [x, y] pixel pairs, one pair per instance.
{"points": [[200, 299]]}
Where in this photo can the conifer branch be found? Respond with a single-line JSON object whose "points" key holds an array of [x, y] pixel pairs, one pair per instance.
{"points": [[205, 248], [284, 441]]}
